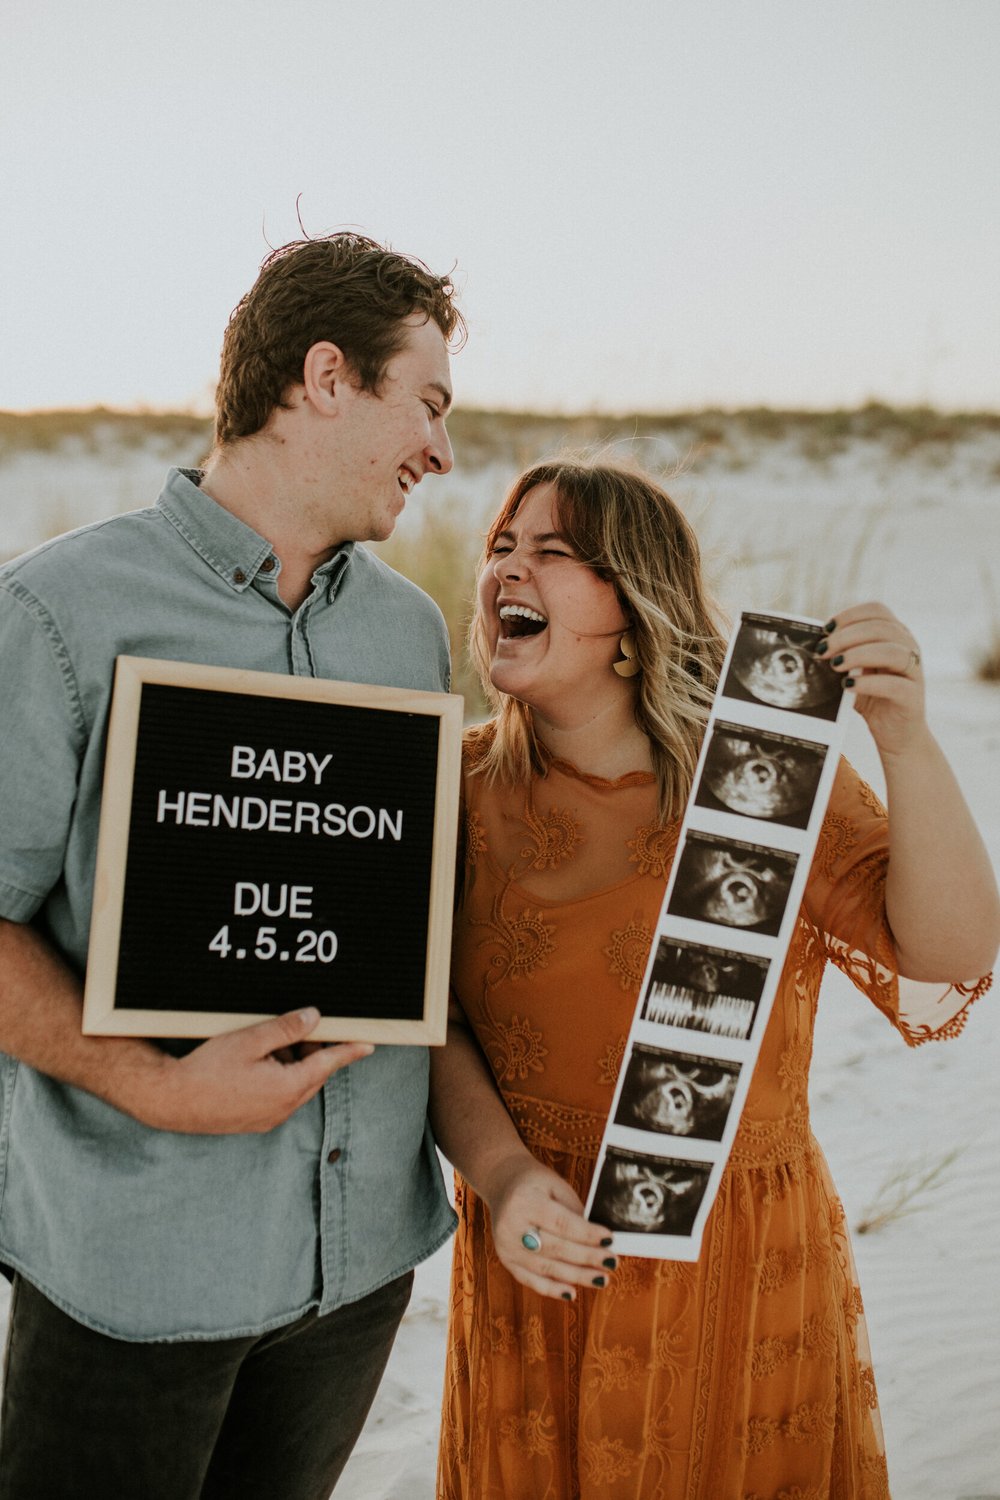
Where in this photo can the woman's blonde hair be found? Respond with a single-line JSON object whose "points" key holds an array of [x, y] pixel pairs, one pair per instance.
{"points": [[628, 530]]}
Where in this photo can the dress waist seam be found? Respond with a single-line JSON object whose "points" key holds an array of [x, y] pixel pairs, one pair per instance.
{"points": [[547, 1125]]}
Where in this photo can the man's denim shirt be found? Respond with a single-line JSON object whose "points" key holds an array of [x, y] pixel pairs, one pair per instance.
{"points": [[146, 1234]]}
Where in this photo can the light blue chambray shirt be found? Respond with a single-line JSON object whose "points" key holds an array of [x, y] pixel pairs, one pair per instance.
{"points": [[146, 1234]]}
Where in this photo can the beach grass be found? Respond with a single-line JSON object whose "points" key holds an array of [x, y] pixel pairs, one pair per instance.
{"points": [[904, 1191], [439, 551]]}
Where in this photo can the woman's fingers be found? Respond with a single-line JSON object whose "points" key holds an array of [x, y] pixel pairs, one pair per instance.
{"points": [[898, 657], [868, 638], [543, 1239], [877, 656], [553, 1277], [869, 628], [559, 1268], [870, 613], [577, 1257]]}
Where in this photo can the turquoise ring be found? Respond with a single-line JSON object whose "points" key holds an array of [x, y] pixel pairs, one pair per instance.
{"points": [[531, 1241]]}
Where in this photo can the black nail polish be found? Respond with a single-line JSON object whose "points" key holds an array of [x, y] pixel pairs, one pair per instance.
{"points": [[830, 625], [820, 647], [606, 1242], [599, 1281], [610, 1264], [848, 682], [567, 1296], [837, 661]]}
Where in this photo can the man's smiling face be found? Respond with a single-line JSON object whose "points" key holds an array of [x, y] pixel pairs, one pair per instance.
{"points": [[386, 442]]}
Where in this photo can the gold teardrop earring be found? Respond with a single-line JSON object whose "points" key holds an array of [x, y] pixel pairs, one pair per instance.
{"points": [[631, 666]]}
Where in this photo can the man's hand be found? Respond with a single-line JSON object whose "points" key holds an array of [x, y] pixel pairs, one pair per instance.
{"points": [[247, 1081], [241, 1083]]}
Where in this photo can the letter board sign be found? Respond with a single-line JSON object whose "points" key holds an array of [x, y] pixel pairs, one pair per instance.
{"points": [[269, 842]]}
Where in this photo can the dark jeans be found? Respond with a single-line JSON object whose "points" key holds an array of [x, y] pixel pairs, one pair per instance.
{"points": [[87, 1417]]}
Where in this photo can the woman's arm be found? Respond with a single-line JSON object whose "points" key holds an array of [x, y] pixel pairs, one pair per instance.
{"points": [[478, 1136], [941, 893]]}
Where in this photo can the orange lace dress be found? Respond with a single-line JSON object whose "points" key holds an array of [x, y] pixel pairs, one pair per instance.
{"points": [[745, 1376]]}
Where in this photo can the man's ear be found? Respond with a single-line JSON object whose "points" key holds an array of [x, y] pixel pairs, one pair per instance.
{"points": [[324, 370]]}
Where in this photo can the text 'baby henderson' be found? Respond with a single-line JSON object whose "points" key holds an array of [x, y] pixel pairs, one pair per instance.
{"points": [[254, 814]]}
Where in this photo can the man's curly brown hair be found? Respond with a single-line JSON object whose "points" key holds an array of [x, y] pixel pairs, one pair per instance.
{"points": [[344, 288]]}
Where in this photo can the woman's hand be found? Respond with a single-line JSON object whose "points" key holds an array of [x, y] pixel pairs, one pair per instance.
{"points": [[880, 659], [525, 1198], [534, 1201]]}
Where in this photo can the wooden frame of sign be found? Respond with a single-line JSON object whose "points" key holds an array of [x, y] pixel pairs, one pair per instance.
{"points": [[269, 842]]}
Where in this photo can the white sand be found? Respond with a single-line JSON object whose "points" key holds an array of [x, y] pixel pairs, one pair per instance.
{"points": [[924, 534]]}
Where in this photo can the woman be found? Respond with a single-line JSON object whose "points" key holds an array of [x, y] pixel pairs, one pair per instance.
{"points": [[572, 1372]]}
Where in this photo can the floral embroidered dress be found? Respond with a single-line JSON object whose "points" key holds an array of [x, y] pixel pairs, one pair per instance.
{"points": [[746, 1376]]}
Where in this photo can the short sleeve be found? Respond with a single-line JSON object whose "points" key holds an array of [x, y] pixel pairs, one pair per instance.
{"points": [[40, 753], [845, 900]]}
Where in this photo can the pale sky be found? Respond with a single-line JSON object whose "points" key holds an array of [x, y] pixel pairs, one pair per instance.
{"points": [[649, 203]]}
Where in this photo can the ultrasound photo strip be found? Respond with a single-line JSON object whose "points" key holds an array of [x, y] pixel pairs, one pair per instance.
{"points": [[746, 842], [676, 1093], [772, 661], [731, 883], [643, 1195], [769, 777], [703, 989]]}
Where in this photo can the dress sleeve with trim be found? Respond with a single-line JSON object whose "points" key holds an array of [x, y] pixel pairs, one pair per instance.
{"points": [[845, 900]]}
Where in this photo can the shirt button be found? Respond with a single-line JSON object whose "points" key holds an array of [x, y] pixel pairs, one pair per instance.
{"points": [[267, 566], [239, 576], [334, 1157]]}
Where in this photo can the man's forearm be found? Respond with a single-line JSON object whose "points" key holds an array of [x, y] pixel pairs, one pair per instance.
{"points": [[234, 1084], [40, 1013]]}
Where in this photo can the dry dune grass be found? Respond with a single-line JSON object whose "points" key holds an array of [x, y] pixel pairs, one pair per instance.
{"points": [[484, 437], [99, 428], [440, 554], [904, 1191], [987, 662], [437, 545]]}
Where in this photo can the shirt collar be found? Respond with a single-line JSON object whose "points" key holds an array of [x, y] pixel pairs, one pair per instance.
{"points": [[234, 550]]}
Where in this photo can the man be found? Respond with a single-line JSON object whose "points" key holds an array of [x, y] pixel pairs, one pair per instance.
{"points": [[212, 1251]]}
